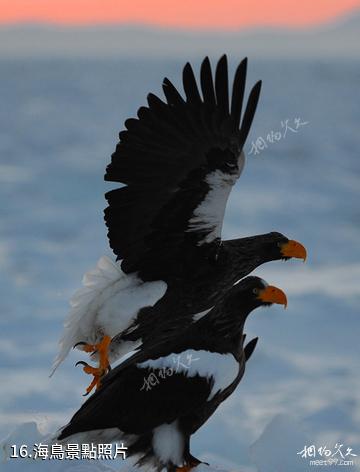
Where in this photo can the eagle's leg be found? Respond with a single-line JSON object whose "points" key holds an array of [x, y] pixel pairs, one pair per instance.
{"points": [[96, 372], [191, 462], [102, 349], [187, 467]]}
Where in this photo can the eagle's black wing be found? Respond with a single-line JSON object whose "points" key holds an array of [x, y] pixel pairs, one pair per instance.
{"points": [[250, 347], [136, 400], [178, 160]]}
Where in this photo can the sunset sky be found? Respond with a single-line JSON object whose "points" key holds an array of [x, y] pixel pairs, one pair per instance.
{"points": [[223, 14]]}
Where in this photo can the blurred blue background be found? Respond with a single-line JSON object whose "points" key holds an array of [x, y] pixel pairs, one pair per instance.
{"points": [[59, 120]]}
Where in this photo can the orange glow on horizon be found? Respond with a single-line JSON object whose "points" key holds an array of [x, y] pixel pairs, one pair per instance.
{"points": [[225, 14]]}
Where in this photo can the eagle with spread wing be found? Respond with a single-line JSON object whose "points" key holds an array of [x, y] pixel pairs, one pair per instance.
{"points": [[177, 161], [153, 404]]}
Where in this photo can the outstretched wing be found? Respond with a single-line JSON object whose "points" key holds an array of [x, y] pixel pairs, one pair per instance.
{"points": [[138, 400], [179, 160]]}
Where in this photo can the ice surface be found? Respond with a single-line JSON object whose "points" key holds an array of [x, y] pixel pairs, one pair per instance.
{"points": [[277, 447]]}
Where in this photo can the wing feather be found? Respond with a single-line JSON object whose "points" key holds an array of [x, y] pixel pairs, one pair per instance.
{"points": [[172, 95], [135, 407], [190, 86], [222, 86], [179, 160], [238, 92], [250, 111], [207, 84]]}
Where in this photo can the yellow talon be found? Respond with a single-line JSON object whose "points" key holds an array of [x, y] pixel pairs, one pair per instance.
{"points": [[98, 372], [103, 350], [95, 383]]}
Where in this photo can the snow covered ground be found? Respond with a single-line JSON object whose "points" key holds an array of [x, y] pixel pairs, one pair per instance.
{"points": [[58, 127]]}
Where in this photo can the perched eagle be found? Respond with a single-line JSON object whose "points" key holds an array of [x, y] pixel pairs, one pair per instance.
{"points": [[157, 398], [178, 161]]}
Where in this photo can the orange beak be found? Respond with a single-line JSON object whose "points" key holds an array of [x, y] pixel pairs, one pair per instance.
{"points": [[272, 294], [293, 249]]}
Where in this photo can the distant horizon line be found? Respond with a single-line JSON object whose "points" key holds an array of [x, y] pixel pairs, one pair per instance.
{"points": [[181, 28]]}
